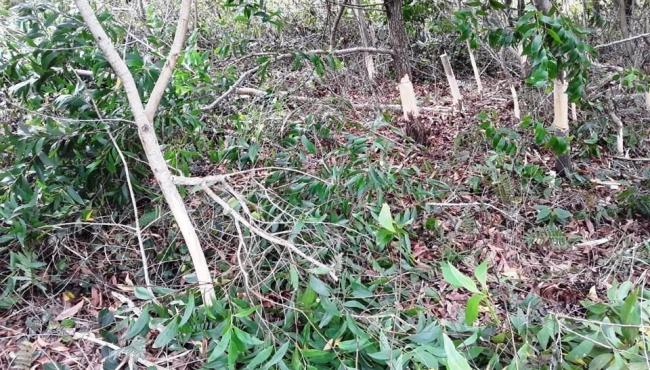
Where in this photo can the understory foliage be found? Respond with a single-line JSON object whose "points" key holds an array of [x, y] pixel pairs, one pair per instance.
{"points": [[356, 194]]}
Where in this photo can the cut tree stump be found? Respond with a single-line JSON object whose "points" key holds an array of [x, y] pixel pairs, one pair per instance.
{"points": [[414, 128], [453, 84], [515, 102], [477, 73], [561, 123]]}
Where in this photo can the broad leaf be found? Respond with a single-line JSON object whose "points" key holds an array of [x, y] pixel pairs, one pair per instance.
{"points": [[457, 279]]}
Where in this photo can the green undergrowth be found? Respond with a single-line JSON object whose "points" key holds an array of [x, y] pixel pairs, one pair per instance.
{"points": [[338, 190]]}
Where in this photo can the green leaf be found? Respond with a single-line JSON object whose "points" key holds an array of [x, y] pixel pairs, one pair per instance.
{"points": [[138, 325], [247, 338], [554, 36], [386, 218], [559, 145], [580, 351], [481, 273], [220, 348], [539, 76], [471, 309], [631, 315], [429, 334], [143, 293], [319, 286], [246, 312], [545, 333], [601, 361], [294, 277], [260, 358], [536, 44], [455, 360], [457, 279], [311, 148], [279, 355], [167, 334], [189, 310]]}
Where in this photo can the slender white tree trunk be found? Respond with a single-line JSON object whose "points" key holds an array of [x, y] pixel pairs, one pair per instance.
{"points": [[365, 38], [144, 122]]}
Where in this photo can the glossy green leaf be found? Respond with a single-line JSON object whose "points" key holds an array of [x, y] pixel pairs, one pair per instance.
{"points": [[138, 325], [167, 335], [455, 360], [457, 279], [385, 218], [472, 308], [481, 273], [260, 358]]}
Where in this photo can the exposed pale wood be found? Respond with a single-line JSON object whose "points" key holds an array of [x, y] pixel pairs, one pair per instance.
{"points": [[647, 101], [477, 73], [515, 102], [620, 149], [574, 112], [152, 149], [560, 106], [366, 39], [453, 84], [407, 97]]}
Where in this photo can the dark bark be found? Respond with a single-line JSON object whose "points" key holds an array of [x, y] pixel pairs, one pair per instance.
{"points": [[521, 5], [398, 38], [563, 165]]}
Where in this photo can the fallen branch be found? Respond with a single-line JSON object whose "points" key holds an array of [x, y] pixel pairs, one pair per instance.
{"points": [[622, 41], [91, 338], [361, 106], [237, 217], [248, 73], [474, 204]]}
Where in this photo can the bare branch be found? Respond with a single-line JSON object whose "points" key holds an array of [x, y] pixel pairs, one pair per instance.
{"points": [[170, 63], [622, 41], [237, 217], [250, 72]]}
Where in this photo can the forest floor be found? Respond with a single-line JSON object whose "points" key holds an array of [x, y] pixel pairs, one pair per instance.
{"points": [[562, 263]]}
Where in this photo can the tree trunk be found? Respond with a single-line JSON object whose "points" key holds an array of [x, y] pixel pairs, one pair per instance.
{"points": [[336, 24], [144, 121], [398, 38], [365, 38], [623, 22]]}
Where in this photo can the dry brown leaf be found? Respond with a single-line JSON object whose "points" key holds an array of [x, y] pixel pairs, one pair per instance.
{"points": [[69, 312]]}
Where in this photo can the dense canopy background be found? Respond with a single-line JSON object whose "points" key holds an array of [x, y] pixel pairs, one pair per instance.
{"points": [[335, 184]]}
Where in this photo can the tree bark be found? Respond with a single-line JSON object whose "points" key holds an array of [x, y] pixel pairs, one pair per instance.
{"points": [[336, 24], [398, 38], [148, 138]]}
